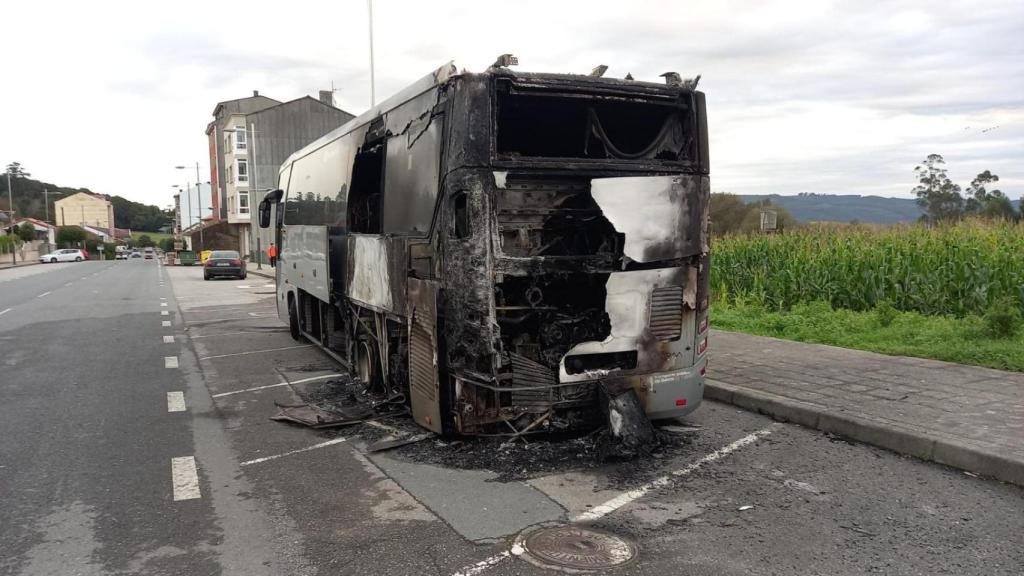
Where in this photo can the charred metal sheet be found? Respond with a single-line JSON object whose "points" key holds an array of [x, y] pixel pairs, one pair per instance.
{"points": [[659, 215], [370, 281], [629, 305], [391, 443], [423, 361], [314, 417]]}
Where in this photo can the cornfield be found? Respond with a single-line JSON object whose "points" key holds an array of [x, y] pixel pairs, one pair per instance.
{"points": [[951, 270]]}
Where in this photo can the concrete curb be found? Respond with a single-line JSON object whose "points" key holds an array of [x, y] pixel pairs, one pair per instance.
{"points": [[264, 273], [20, 265], [884, 435]]}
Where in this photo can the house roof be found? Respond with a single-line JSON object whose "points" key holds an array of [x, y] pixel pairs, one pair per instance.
{"points": [[34, 221]]}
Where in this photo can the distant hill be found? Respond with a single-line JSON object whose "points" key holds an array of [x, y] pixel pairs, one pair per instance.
{"points": [[844, 208], [28, 201]]}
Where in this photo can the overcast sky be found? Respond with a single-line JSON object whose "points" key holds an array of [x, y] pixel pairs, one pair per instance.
{"points": [[816, 96]]}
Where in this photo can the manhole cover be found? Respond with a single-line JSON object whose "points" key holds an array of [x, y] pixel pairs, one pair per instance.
{"points": [[574, 548]]}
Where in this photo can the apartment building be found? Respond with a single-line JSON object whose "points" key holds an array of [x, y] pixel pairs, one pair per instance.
{"points": [[249, 139]]}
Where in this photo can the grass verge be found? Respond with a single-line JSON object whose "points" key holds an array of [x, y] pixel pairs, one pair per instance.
{"points": [[962, 340]]}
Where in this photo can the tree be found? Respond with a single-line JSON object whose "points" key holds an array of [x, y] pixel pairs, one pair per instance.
{"points": [[145, 241], [70, 235], [937, 196], [985, 203], [27, 231], [17, 171], [727, 213], [167, 244]]}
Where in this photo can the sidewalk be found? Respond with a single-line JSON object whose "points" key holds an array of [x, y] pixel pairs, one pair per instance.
{"points": [[964, 416], [7, 262]]}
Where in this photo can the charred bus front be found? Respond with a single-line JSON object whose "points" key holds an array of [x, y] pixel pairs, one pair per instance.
{"points": [[504, 251]]}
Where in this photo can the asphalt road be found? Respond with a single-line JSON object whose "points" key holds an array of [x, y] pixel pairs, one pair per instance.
{"points": [[88, 484]]}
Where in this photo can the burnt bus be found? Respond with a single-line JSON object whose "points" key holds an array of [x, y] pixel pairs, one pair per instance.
{"points": [[503, 251]]}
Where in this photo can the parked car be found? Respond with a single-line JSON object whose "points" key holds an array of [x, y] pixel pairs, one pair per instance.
{"points": [[136, 254], [65, 255], [150, 254], [224, 263], [122, 255]]}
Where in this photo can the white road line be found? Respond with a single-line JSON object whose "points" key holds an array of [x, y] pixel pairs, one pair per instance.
{"points": [[226, 334], [232, 318], [630, 496], [256, 352], [163, 303], [165, 313], [482, 565], [324, 377], [222, 394], [165, 323], [300, 450], [627, 497], [162, 298], [5, 311], [170, 361], [43, 294], [175, 401], [184, 478], [168, 339], [68, 283]]}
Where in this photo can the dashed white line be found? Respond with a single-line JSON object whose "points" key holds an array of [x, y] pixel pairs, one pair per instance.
{"points": [[256, 352], [43, 294], [175, 401], [165, 313], [170, 361], [68, 283], [165, 323], [184, 478], [225, 334], [5, 311], [300, 450], [163, 303], [168, 339], [627, 497]]}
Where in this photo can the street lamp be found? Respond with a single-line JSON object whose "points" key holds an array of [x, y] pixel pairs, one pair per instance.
{"points": [[10, 220]]}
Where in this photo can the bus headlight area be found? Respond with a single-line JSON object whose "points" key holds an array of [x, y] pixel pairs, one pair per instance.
{"points": [[508, 252]]}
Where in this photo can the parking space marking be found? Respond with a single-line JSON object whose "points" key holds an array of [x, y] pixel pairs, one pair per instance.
{"points": [[222, 394], [482, 565], [165, 313], [632, 495], [299, 451], [5, 311], [662, 481], [311, 379], [230, 319], [168, 339], [175, 401], [43, 294], [184, 478], [228, 334], [163, 303], [257, 352], [165, 323], [170, 361]]}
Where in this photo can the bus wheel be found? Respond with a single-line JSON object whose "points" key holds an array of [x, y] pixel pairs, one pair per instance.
{"points": [[293, 321], [366, 362]]}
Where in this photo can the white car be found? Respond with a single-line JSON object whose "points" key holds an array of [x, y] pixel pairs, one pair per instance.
{"points": [[66, 255]]}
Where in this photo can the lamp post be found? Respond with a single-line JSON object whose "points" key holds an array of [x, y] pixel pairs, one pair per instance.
{"points": [[10, 220]]}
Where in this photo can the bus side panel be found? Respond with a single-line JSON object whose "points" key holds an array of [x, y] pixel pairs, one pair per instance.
{"points": [[424, 391], [304, 260]]}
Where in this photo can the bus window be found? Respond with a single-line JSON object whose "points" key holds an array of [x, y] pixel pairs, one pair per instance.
{"points": [[364, 200], [318, 187], [411, 176]]}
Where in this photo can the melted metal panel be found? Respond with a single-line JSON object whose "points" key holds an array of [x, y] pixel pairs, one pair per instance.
{"points": [[370, 282], [659, 215], [304, 259]]}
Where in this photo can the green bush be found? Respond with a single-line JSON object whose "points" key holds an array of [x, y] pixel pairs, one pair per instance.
{"points": [[1003, 318], [885, 312]]}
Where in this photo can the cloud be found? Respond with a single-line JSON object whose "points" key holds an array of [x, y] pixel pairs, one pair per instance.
{"points": [[829, 96]]}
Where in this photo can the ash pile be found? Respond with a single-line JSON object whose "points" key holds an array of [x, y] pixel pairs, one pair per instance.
{"points": [[625, 436]]}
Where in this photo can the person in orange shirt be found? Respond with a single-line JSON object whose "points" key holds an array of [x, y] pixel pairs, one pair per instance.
{"points": [[272, 254]]}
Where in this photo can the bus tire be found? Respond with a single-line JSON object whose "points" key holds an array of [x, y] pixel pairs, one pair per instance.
{"points": [[293, 320]]}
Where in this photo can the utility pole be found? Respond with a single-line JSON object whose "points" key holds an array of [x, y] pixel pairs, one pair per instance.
{"points": [[373, 89], [10, 221], [46, 202], [199, 200]]}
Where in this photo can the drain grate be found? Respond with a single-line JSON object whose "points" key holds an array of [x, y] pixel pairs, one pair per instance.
{"points": [[574, 548]]}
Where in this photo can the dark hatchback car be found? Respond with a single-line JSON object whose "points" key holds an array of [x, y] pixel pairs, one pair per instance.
{"points": [[224, 263]]}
